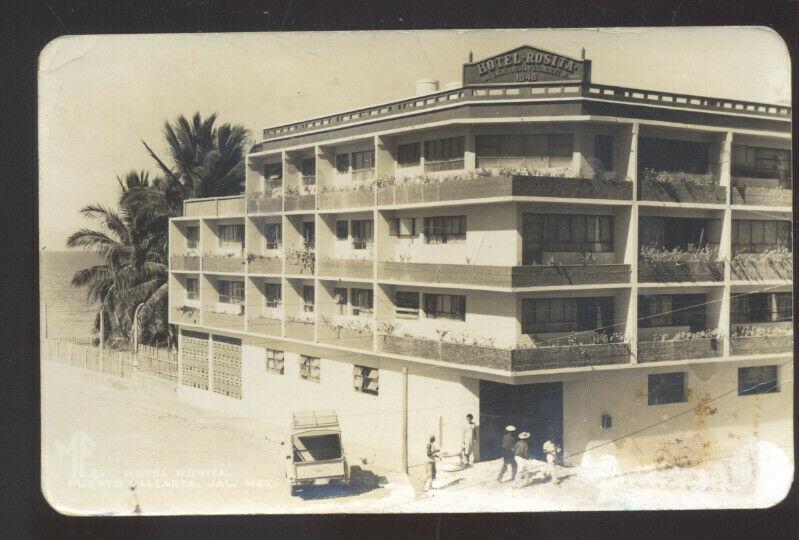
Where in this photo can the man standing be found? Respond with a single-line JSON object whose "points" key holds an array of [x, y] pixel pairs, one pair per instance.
{"points": [[521, 449], [508, 441], [432, 455], [467, 450]]}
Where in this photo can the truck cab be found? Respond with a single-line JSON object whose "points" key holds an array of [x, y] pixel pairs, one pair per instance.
{"points": [[316, 456]]}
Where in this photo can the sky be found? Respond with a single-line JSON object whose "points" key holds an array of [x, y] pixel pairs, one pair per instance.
{"points": [[100, 96]]}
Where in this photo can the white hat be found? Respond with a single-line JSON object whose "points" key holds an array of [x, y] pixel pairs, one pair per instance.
{"points": [[510, 428], [524, 435]]}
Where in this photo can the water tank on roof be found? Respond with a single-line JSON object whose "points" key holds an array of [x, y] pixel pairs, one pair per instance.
{"points": [[426, 86]]}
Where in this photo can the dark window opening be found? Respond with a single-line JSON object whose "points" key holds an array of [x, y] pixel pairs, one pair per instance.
{"points": [[666, 388]]}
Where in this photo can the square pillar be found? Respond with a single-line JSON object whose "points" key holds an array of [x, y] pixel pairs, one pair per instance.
{"points": [[469, 149]]}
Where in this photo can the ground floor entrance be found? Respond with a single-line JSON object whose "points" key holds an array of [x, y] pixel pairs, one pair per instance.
{"points": [[535, 408]]}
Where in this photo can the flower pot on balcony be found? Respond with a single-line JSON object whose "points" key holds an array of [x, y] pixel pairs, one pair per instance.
{"points": [[671, 272], [688, 349]]}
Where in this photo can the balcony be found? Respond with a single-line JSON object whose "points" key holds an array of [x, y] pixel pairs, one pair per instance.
{"points": [[260, 203], [223, 263], [258, 264], [184, 315], [265, 324], [346, 332], [298, 328], [346, 268], [762, 266], [503, 276], [228, 321], [467, 186], [347, 198], [679, 349], [306, 202], [510, 360], [680, 272], [185, 263], [680, 188], [759, 195]]}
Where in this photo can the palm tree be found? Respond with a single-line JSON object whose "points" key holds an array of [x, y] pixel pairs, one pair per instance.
{"points": [[134, 251], [207, 161]]}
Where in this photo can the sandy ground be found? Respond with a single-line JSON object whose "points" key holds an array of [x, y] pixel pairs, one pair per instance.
{"points": [[101, 435]]}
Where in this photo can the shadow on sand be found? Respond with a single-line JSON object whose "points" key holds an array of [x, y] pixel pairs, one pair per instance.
{"points": [[361, 481]]}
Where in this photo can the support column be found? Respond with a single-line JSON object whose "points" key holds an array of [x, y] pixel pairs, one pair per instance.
{"points": [[384, 156], [469, 149]]}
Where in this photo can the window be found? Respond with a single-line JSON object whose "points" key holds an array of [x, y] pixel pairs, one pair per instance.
{"points": [[273, 294], [192, 237], [231, 292], [443, 154], [192, 288], [362, 302], [749, 235], [406, 305], [757, 380], [603, 150], [572, 232], [361, 233], [761, 307], [673, 233], [402, 227], [549, 150], [308, 232], [673, 155], [231, 234], [440, 230], [445, 306], [340, 298], [342, 230], [762, 163], [274, 235], [366, 379], [567, 314], [363, 161], [308, 298], [273, 173], [408, 154], [342, 163], [666, 388], [310, 368], [672, 310], [275, 362]]}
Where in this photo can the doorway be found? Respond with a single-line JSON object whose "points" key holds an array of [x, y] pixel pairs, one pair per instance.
{"points": [[535, 408]]}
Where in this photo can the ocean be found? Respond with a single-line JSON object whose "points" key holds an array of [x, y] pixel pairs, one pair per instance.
{"points": [[69, 314]]}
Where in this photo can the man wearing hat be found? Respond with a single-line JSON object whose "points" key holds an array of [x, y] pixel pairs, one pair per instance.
{"points": [[508, 441], [521, 449]]}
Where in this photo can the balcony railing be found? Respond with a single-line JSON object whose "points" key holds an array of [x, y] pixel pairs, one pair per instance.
{"points": [[331, 333], [676, 272], [575, 89], [761, 196], [184, 315], [265, 324], [352, 198], [346, 268], [484, 186], [503, 276], [216, 206], [510, 360], [756, 345], [223, 320], [759, 267], [680, 188], [293, 203], [302, 330], [265, 265], [687, 349], [262, 204], [222, 263], [185, 263]]}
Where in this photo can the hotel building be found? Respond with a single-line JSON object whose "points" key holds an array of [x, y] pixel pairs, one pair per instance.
{"points": [[586, 262]]}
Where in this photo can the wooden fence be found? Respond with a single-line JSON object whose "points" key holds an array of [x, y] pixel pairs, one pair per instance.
{"points": [[82, 353]]}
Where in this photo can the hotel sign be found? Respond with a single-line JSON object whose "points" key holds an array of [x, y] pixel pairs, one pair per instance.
{"points": [[526, 65]]}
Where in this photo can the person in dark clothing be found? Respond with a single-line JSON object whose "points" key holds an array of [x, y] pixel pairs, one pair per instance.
{"points": [[508, 459], [521, 449]]}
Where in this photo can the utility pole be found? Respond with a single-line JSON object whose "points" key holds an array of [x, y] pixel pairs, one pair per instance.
{"points": [[136, 328]]}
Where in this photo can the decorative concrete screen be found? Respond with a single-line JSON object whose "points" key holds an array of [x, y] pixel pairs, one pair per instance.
{"points": [[227, 366], [194, 359]]}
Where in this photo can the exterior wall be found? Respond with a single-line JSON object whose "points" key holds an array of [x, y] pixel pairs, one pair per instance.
{"points": [[715, 429], [490, 237]]}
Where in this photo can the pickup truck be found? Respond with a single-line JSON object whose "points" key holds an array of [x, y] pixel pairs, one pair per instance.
{"points": [[316, 457]]}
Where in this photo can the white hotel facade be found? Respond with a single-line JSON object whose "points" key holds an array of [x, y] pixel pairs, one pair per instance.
{"points": [[580, 260]]}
